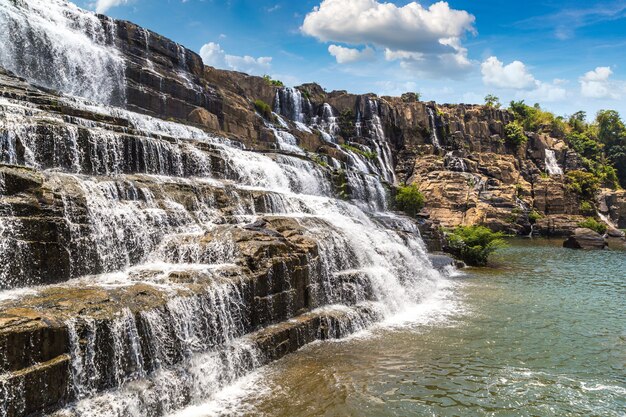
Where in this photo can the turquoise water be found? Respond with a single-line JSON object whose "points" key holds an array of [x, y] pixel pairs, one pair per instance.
{"points": [[542, 334]]}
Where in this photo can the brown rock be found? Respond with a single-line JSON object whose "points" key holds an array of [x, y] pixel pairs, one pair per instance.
{"points": [[585, 239], [203, 117]]}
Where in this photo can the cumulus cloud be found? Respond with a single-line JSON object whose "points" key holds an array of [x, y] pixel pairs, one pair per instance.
{"points": [[212, 54], [103, 5], [345, 55], [514, 75], [412, 34], [597, 84]]}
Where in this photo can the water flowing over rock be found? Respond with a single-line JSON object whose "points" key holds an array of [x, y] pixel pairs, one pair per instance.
{"points": [[160, 237], [144, 263], [552, 167]]}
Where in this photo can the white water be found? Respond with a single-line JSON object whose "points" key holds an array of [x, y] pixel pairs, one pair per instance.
{"points": [[455, 163], [434, 135], [55, 44], [135, 202], [552, 167]]}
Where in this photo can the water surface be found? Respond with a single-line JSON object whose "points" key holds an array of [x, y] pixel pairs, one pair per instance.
{"points": [[542, 334]]}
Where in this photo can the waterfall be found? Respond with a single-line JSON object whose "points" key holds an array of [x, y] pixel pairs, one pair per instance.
{"points": [[455, 163], [55, 44], [434, 135], [160, 233], [552, 167], [290, 103], [327, 123]]}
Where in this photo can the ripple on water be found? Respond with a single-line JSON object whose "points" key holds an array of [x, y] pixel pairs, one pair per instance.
{"points": [[543, 334]]}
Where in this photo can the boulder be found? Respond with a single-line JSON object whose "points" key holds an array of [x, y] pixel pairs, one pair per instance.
{"points": [[613, 232], [585, 239], [203, 117]]}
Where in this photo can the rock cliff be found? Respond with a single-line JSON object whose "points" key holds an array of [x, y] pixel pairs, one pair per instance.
{"points": [[160, 218]]}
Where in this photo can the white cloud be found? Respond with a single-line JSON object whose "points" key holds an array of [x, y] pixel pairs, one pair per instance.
{"points": [[514, 75], [103, 5], [345, 55], [418, 37], [212, 54], [596, 84], [544, 93]]}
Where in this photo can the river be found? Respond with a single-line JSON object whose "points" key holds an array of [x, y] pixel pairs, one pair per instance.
{"points": [[542, 333]]}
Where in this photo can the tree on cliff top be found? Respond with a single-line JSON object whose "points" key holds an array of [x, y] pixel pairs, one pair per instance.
{"points": [[492, 101]]}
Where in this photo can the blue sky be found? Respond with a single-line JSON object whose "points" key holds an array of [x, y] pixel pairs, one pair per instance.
{"points": [[566, 55]]}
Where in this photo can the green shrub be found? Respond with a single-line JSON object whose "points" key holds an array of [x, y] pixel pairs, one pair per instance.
{"points": [[368, 155], [515, 135], [409, 199], [474, 244], [586, 208], [593, 224], [533, 216], [270, 81], [582, 183], [264, 109], [534, 119]]}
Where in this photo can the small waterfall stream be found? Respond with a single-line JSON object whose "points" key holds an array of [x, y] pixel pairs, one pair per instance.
{"points": [[434, 135], [552, 166]]}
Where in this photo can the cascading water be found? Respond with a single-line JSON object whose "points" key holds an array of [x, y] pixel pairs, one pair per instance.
{"points": [[55, 44], [552, 166], [290, 103], [454, 162], [383, 152], [147, 205], [327, 123]]}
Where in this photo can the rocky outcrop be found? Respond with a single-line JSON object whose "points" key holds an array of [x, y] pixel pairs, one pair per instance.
{"points": [[163, 78], [613, 205], [585, 239]]}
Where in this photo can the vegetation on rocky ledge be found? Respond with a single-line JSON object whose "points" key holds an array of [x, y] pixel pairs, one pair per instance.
{"points": [[264, 109], [601, 143], [409, 199], [515, 134], [492, 101], [474, 244], [272, 82], [368, 155], [593, 224]]}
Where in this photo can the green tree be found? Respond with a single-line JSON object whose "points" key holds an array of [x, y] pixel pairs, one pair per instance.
{"points": [[515, 135], [577, 121], [612, 133], [272, 82], [474, 244], [583, 183], [492, 101]]}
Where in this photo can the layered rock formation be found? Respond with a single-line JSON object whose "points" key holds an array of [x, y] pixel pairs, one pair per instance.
{"points": [[158, 219]]}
